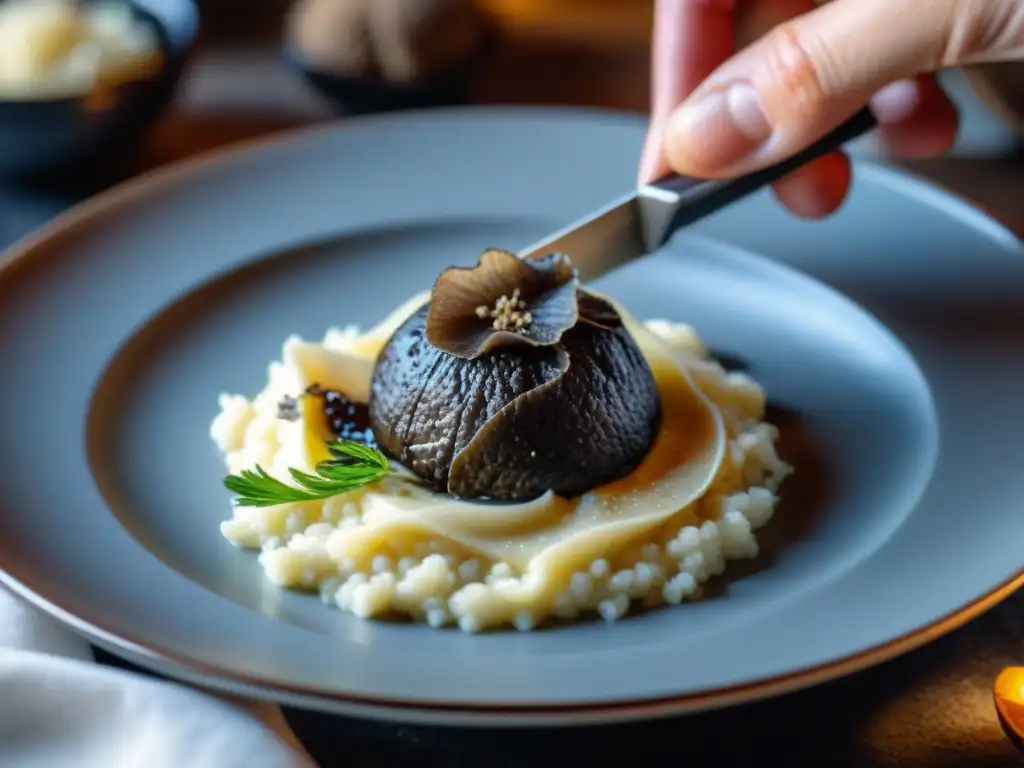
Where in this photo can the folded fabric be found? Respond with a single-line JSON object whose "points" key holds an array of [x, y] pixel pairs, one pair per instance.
{"points": [[59, 709]]}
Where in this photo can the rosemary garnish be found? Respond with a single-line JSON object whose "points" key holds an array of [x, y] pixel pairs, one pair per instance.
{"points": [[352, 466]]}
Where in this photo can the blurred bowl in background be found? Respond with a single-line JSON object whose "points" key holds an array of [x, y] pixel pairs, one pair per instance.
{"points": [[396, 54], [42, 137], [356, 96]]}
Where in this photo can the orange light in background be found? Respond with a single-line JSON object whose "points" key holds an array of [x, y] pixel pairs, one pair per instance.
{"points": [[1008, 692], [608, 25]]}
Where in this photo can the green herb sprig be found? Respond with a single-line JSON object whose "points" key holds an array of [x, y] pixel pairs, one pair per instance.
{"points": [[352, 466]]}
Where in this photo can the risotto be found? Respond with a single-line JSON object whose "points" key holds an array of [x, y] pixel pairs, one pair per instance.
{"points": [[397, 547]]}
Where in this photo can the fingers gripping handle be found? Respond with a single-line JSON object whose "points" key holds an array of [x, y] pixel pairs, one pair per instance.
{"points": [[675, 201]]}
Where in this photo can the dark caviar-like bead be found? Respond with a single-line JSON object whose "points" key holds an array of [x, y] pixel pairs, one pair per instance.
{"points": [[347, 419]]}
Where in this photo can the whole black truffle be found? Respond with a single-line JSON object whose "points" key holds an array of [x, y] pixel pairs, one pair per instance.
{"points": [[514, 381]]}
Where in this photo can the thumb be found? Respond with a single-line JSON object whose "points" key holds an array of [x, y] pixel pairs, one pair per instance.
{"points": [[808, 75]]}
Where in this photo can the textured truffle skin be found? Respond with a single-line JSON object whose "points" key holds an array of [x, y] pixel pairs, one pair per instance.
{"points": [[517, 422]]}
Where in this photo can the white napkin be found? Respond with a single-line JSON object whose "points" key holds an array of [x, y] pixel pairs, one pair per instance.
{"points": [[58, 708]]}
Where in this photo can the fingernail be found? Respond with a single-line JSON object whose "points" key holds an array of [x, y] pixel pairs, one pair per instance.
{"points": [[647, 171], [721, 127], [651, 162], [895, 101]]}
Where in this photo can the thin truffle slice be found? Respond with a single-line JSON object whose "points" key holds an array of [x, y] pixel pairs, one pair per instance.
{"points": [[466, 317]]}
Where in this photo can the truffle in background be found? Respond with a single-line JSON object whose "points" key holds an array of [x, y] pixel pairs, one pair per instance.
{"points": [[382, 55]]}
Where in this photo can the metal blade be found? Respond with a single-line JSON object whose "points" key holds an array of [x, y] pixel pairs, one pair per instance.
{"points": [[600, 242], [641, 222]]}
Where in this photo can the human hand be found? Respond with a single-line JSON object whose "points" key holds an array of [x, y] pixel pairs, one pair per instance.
{"points": [[715, 114]]}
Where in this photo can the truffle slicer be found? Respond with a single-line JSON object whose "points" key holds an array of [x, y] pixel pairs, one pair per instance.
{"points": [[642, 221]]}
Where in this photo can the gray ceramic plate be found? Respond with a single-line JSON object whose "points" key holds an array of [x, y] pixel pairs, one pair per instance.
{"points": [[121, 322]]}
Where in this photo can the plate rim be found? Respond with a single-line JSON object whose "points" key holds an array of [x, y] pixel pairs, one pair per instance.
{"points": [[20, 252], [432, 713]]}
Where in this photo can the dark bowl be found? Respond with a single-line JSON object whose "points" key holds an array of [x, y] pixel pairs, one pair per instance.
{"points": [[356, 96], [39, 138]]}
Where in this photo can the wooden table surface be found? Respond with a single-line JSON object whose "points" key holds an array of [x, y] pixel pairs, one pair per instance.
{"points": [[931, 708]]}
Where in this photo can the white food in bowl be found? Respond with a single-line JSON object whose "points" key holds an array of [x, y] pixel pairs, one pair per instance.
{"points": [[395, 547], [56, 49]]}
